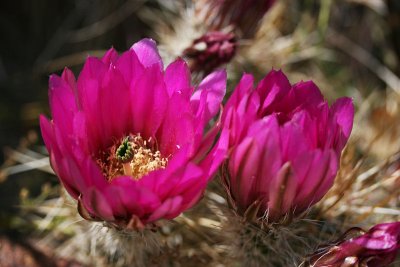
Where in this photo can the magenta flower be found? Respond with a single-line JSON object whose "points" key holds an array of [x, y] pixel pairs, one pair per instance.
{"points": [[285, 143], [127, 138], [376, 248]]}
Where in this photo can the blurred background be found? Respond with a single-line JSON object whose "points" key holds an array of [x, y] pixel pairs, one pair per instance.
{"points": [[348, 47]]}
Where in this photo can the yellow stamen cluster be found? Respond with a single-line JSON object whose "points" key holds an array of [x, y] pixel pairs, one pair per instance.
{"points": [[144, 159], [132, 156]]}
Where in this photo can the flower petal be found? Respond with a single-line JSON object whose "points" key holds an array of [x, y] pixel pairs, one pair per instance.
{"points": [[110, 56], [178, 126], [213, 86], [139, 201], [244, 87], [318, 180], [281, 193], [97, 204], [272, 89], [177, 78], [146, 50], [115, 115], [148, 96], [170, 208], [62, 104], [130, 67], [343, 112]]}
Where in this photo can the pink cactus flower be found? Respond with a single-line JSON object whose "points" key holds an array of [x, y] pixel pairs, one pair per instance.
{"points": [[285, 144], [376, 248], [127, 138]]}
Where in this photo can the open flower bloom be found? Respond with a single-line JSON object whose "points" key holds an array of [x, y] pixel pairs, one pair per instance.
{"points": [[285, 144], [127, 139], [376, 248]]}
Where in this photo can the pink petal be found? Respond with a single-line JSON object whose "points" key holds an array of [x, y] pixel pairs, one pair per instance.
{"points": [[202, 120], [177, 78], [55, 157], [82, 140], [110, 56], [93, 69], [187, 182], [293, 141], [70, 173], [216, 156], [47, 132], [91, 109], [148, 102], [191, 197], [262, 160], [130, 67], [326, 130], [244, 87], [163, 181], [73, 175], [62, 103], [206, 142], [63, 172], [169, 208], [272, 89], [70, 188], [243, 116], [270, 161], [146, 50], [308, 94], [191, 187], [89, 86], [177, 129], [213, 86], [301, 166], [115, 115], [63, 139], [91, 175], [343, 112], [168, 182], [69, 78], [96, 202], [282, 192], [310, 128], [137, 200], [191, 176], [328, 180], [318, 179], [249, 173], [237, 163]]}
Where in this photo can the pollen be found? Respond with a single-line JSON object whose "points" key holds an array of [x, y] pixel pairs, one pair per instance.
{"points": [[133, 156]]}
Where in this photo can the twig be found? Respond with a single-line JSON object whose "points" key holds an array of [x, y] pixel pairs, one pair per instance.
{"points": [[28, 163], [100, 27], [69, 60], [361, 55]]}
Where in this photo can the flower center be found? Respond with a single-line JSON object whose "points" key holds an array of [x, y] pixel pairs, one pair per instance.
{"points": [[132, 156]]}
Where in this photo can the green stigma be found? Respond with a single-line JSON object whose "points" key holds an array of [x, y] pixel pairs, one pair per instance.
{"points": [[125, 151]]}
